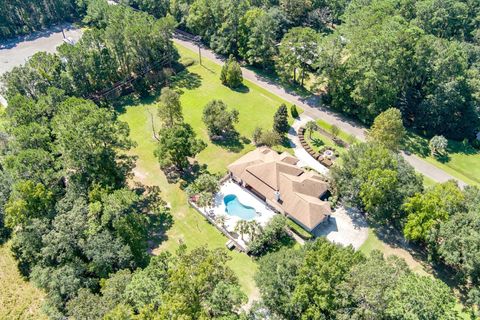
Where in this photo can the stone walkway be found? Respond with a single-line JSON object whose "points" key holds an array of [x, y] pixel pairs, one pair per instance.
{"points": [[306, 160]]}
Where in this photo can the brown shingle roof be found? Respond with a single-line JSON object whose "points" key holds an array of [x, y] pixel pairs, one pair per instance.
{"points": [[267, 172]]}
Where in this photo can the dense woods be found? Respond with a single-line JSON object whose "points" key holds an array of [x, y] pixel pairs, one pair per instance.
{"points": [[121, 45], [66, 205], [19, 17], [325, 281], [421, 57], [443, 220]]}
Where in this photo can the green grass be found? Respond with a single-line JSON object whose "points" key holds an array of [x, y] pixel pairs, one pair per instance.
{"points": [[462, 161], [19, 299], [342, 134], [197, 87]]}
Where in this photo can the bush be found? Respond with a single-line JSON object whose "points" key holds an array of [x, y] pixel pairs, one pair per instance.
{"points": [[187, 62], [270, 138], [231, 75], [302, 233], [294, 111], [257, 135]]}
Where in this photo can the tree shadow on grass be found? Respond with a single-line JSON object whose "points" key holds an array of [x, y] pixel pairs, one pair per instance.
{"points": [[394, 238], [233, 142], [185, 80], [416, 144], [242, 89]]}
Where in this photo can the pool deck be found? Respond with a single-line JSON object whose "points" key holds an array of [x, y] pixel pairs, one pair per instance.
{"points": [[264, 214]]}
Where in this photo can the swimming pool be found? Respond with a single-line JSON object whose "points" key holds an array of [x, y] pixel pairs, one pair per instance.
{"points": [[234, 207]]}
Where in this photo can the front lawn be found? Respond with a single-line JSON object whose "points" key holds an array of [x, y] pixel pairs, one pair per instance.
{"points": [[198, 85], [462, 160]]}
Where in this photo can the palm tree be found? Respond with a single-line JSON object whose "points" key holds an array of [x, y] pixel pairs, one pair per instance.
{"points": [[221, 220], [254, 229], [310, 126], [205, 200], [242, 227]]}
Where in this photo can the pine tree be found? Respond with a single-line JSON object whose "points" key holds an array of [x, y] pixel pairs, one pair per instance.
{"points": [[280, 120]]}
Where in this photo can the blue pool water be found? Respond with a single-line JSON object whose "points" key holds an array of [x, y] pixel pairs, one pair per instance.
{"points": [[233, 207]]}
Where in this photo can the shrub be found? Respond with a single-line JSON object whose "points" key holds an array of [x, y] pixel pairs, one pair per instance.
{"points": [[335, 131], [270, 138], [302, 233], [187, 62], [438, 145], [257, 135], [231, 75], [294, 111]]}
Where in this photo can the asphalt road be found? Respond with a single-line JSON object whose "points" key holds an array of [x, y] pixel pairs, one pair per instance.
{"points": [[14, 52], [312, 108]]}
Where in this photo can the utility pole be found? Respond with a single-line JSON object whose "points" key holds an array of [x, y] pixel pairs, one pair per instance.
{"points": [[198, 39]]}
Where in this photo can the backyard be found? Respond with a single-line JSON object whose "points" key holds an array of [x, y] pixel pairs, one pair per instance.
{"points": [[198, 85]]}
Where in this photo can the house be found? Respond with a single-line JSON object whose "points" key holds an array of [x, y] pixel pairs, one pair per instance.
{"points": [[289, 189]]}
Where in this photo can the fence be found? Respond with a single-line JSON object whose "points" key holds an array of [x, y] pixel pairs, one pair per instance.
{"points": [[222, 230]]}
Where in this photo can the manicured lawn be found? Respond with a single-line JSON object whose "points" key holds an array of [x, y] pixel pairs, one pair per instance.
{"points": [[462, 161], [19, 299], [197, 87]]}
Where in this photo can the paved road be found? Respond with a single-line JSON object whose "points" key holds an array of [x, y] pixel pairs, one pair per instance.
{"points": [[313, 109], [16, 51]]}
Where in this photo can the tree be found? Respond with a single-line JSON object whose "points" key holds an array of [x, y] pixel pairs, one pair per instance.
{"points": [[188, 285], [206, 186], [271, 239], [294, 111], [89, 140], [276, 279], [258, 43], [221, 220], [257, 135], [376, 180], [176, 145], [438, 145], [425, 211], [205, 182], [459, 245], [296, 10], [387, 129], [280, 120], [335, 130], [231, 74], [254, 229], [241, 227], [420, 297], [23, 18], [28, 200], [297, 52], [270, 138], [219, 121], [364, 292], [311, 126], [169, 108]]}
